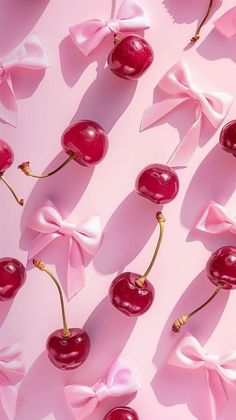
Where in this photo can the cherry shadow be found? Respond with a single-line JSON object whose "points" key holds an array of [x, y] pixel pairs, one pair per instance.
{"points": [[25, 82], [43, 385], [22, 16], [201, 325], [188, 12], [127, 231], [216, 46], [218, 168]]}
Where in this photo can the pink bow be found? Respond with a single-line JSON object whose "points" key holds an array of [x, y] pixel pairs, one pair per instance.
{"points": [[89, 34], [84, 400], [226, 24], [11, 372], [82, 239], [190, 354], [214, 106], [29, 55], [217, 219]]}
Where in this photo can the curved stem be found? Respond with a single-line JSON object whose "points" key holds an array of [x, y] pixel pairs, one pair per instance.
{"points": [[197, 34], [20, 201], [161, 220], [183, 319], [116, 39], [27, 171], [41, 266]]}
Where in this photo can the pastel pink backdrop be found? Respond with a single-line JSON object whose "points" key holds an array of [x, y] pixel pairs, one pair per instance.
{"points": [[76, 87]]}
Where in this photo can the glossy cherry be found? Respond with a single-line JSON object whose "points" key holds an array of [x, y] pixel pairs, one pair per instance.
{"points": [[132, 293], [228, 137], [6, 160], [221, 271], [130, 57], [12, 278], [67, 348], [86, 142], [122, 413], [158, 183]]}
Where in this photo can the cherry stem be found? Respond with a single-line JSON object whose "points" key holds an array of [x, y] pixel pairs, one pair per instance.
{"points": [[197, 34], [20, 201], [161, 220], [183, 319], [116, 39], [27, 171], [42, 266]]}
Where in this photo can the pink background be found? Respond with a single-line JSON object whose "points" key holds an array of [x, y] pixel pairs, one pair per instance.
{"points": [[75, 87]]}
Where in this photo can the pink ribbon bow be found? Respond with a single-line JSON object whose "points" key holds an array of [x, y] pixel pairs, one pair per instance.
{"points": [[226, 24], [190, 354], [178, 84], [84, 400], [82, 239], [29, 55], [89, 34], [11, 372], [216, 219]]}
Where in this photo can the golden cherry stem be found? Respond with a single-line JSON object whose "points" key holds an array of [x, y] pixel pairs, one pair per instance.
{"points": [[183, 319], [20, 201], [197, 34], [116, 39], [161, 221], [27, 171], [42, 266]]}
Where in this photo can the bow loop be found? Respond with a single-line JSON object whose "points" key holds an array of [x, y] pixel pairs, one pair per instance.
{"points": [[89, 34], [83, 400], [216, 219], [177, 82]]}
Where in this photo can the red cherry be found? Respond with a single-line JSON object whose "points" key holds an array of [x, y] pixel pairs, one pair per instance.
{"points": [[158, 183], [130, 298], [228, 137], [12, 277], [131, 57], [67, 348], [122, 413], [132, 293], [6, 156], [6, 160], [86, 142], [221, 271], [221, 267], [68, 352]]}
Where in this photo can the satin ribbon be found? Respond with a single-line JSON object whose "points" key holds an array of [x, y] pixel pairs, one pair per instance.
{"points": [[226, 24], [82, 239], [190, 354], [11, 372], [29, 55], [84, 400], [177, 82], [89, 34], [216, 219]]}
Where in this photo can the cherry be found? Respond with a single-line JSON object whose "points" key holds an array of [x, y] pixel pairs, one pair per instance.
{"points": [[132, 293], [221, 271], [67, 348], [86, 142], [158, 183], [12, 277], [130, 57], [228, 137], [122, 413], [197, 34], [6, 160]]}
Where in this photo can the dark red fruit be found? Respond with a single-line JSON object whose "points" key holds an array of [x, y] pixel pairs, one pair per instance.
{"points": [[6, 156], [228, 137], [221, 267], [12, 277], [158, 183], [122, 413], [131, 57]]}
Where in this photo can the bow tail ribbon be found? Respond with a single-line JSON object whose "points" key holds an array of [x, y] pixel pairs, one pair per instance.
{"points": [[217, 394], [8, 397], [226, 24], [75, 268]]}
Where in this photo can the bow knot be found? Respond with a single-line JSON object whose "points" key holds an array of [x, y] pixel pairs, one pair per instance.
{"points": [[216, 219], [211, 361], [83, 240], [177, 82], [88, 35], [101, 391]]}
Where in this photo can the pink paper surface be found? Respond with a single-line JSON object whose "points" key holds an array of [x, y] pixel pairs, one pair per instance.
{"points": [[76, 87]]}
